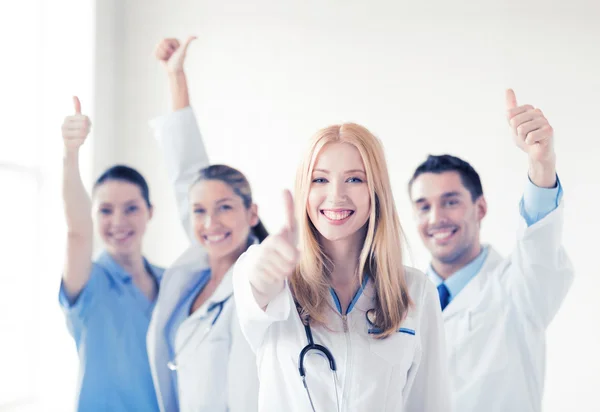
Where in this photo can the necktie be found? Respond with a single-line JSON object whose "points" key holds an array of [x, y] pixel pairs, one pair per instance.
{"points": [[444, 295]]}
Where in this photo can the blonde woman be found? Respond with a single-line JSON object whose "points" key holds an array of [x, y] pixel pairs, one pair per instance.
{"points": [[339, 323]]}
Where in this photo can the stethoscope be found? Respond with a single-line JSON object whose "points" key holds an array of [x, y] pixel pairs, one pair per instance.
{"points": [[312, 346], [172, 364]]}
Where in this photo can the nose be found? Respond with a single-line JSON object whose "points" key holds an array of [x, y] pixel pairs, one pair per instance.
{"points": [[209, 220], [118, 218], [436, 216], [337, 191]]}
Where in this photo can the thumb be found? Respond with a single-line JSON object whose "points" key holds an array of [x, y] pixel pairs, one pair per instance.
{"points": [[511, 99], [186, 44], [290, 218], [77, 105]]}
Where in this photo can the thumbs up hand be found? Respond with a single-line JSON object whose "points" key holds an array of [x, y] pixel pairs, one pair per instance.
{"points": [[276, 259], [75, 128], [172, 54], [531, 130], [534, 135]]}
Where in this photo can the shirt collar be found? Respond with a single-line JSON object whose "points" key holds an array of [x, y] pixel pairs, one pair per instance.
{"points": [[457, 281], [357, 295], [117, 271]]}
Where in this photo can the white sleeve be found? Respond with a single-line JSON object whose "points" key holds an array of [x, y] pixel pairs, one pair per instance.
{"points": [[255, 322], [428, 383], [184, 153], [540, 273], [243, 373]]}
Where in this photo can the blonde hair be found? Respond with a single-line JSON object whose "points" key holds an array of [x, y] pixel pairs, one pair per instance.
{"points": [[381, 255]]}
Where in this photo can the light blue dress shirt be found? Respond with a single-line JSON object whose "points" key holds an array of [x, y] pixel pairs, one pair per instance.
{"points": [[109, 321], [535, 204]]}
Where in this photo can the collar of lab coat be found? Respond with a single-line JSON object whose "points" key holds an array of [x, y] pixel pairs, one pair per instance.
{"points": [[177, 283], [366, 298], [366, 301], [182, 276], [471, 293]]}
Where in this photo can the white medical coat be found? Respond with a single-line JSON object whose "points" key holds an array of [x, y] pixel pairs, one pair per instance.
{"points": [[404, 372], [496, 326], [218, 374]]}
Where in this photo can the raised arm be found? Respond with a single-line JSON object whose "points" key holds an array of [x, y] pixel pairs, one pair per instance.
{"points": [[172, 55], [178, 132], [540, 272], [77, 206]]}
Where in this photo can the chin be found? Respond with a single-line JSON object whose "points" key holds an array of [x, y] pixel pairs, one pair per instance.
{"points": [[218, 251], [448, 257], [121, 251], [335, 235]]}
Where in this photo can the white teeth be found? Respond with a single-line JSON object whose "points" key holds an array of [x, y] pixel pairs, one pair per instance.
{"points": [[215, 238], [334, 215], [120, 236], [442, 235]]}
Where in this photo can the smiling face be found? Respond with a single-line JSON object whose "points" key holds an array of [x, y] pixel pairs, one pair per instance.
{"points": [[221, 222], [447, 217], [338, 200], [122, 216]]}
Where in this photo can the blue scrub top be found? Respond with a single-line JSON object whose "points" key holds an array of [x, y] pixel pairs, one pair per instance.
{"points": [[109, 321]]}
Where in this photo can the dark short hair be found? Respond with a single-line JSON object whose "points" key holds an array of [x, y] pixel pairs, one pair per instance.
{"points": [[240, 186], [125, 174], [448, 163]]}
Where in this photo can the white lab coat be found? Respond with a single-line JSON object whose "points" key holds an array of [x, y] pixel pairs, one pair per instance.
{"points": [[495, 327], [219, 374], [401, 373]]}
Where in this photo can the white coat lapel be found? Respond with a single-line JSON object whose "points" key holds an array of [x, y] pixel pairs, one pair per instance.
{"points": [[471, 293], [176, 283], [179, 279]]}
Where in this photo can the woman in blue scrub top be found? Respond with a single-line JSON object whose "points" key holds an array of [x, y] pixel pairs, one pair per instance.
{"points": [[107, 302], [199, 358]]}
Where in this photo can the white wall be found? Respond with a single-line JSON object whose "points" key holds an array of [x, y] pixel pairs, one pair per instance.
{"points": [[266, 74], [48, 58]]}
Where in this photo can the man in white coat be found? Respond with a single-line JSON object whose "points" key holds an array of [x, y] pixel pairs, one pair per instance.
{"points": [[496, 309]]}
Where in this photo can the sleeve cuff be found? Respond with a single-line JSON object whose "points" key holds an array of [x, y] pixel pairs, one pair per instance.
{"points": [[67, 302], [77, 306], [179, 119], [538, 202]]}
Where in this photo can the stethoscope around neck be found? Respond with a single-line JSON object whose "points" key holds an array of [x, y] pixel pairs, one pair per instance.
{"points": [[173, 364], [312, 346]]}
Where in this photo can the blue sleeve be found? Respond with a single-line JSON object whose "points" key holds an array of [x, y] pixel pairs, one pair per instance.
{"points": [[538, 202], [77, 308]]}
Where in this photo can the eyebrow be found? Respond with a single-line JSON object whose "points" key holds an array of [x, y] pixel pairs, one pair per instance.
{"points": [[451, 194], [443, 196], [347, 171], [222, 200], [127, 203]]}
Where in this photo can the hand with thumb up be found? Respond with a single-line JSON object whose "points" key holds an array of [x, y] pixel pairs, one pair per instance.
{"points": [[172, 53], [276, 259], [75, 128]]}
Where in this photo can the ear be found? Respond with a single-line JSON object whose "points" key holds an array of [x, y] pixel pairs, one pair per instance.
{"points": [[481, 207], [253, 215]]}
